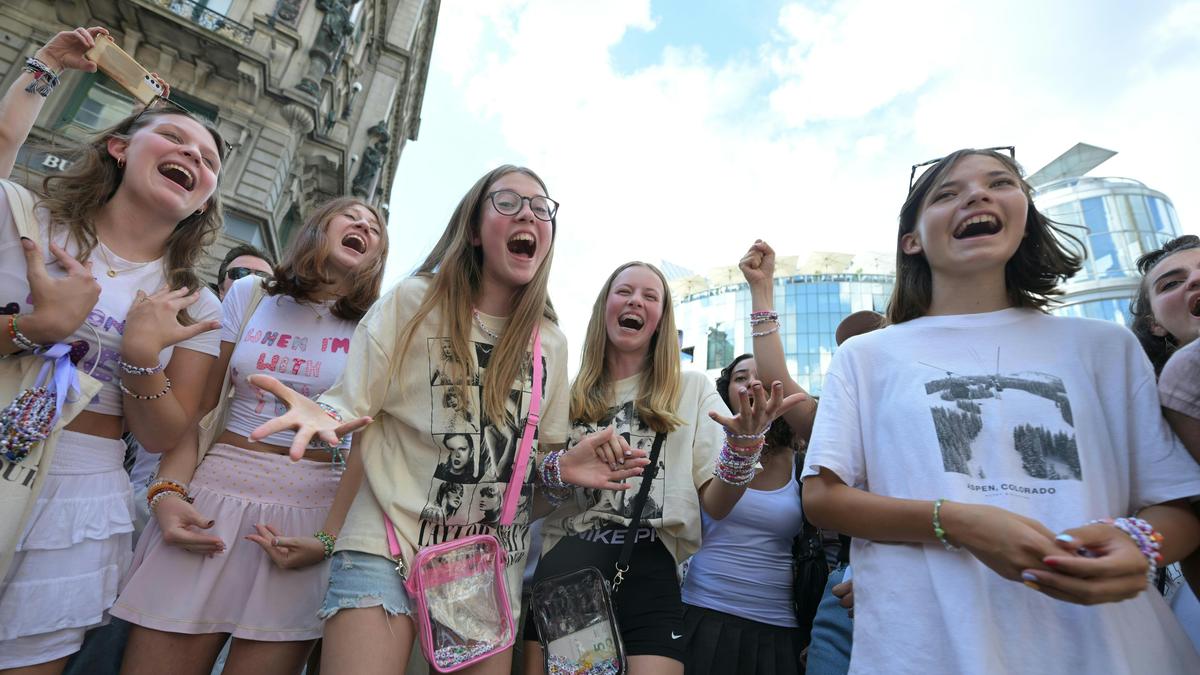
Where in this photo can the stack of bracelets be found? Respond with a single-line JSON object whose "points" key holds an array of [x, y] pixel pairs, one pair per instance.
{"points": [[759, 318], [130, 369], [557, 491], [44, 79], [1148, 540], [735, 464], [162, 487], [327, 540], [18, 338]]}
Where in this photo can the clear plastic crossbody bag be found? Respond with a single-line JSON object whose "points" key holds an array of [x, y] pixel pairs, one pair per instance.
{"points": [[574, 612], [576, 624], [458, 588]]}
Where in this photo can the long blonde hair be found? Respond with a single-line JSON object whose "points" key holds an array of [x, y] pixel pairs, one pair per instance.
{"points": [[455, 270], [658, 395], [74, 196]]}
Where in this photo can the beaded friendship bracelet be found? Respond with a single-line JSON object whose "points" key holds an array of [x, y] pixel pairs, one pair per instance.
{"points": [[938, 530], [1148, 540], [737, 468], [44, 78], [330, 410], [327, 540], [764, 333], [163, 495], [18, 338], [140, 397], [130, 369], [748, 437]]}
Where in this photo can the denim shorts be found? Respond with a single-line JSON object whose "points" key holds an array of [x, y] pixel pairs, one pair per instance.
{"points": [[358, 580]]}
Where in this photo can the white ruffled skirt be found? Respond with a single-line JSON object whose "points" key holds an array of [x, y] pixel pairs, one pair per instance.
{"points": [[70, 559]]}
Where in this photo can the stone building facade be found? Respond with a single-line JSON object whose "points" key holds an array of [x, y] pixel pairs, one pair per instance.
{"points": [[317, 97]]}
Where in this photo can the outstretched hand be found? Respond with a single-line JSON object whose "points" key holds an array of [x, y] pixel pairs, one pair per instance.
{"points": [[66, 49], [758, 410], [602, 460], [304, 417]]}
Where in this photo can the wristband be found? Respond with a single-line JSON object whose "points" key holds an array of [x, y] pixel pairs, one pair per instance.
{"points": [[18, 338], [130, 369], [1148, 540], [140, 397], [327, 540], [938, 530], [44, 78]]}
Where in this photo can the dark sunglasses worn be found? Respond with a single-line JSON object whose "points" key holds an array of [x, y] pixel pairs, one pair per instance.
{"points": [[236, 273], [912, 177]]}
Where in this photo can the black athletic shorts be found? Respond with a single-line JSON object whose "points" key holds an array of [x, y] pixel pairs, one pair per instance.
{"points": [[648, 605]]}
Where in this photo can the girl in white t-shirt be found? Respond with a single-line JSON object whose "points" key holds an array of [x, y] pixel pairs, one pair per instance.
{"points": [[976, 441], [630, 383], [445, 353], [301, 330], [122, 230]]}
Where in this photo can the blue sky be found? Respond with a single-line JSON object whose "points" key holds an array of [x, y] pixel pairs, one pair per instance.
{"points": [[684, 130]]}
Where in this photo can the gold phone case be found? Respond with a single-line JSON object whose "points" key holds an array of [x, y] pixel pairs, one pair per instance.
{"points": [[114, 62]]}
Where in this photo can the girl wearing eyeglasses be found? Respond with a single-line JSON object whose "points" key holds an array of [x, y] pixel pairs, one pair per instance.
{"points": [[1006, 474], [248, 495], [121, 233], [462, 322], [630, 384]]}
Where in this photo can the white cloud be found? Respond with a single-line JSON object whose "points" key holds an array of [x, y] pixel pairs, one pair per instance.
{"points": [[809, 144]]}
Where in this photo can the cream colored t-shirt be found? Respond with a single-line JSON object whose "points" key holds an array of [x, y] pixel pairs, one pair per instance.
{"points": [[434, 463], [685, 463]]}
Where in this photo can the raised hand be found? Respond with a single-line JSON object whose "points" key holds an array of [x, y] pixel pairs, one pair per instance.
{"points": [[758, 410], [758, 265], [60, 304], [1008, 543], [304, 417], [181, 523], [66, 49], [590, 462], [288, 552], [1113, 569], [152, 324]]}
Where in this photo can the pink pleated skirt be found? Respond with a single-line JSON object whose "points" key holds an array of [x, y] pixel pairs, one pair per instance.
{"points": [[240, 591]]}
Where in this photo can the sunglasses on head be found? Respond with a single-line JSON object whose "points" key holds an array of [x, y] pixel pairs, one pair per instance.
{"points": [[236, 273], [912, 177]]}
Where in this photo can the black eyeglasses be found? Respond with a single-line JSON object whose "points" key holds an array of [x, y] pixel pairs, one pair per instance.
{"points": [[509, 203], [160, 104], [912, 177], [236, 273]]}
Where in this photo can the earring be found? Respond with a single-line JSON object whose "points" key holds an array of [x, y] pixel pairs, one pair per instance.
{"points": [[120, 162], [199, 212]]}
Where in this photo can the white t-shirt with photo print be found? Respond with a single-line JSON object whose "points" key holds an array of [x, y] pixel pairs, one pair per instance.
{"points": [[1052, 418], [685, 463]]}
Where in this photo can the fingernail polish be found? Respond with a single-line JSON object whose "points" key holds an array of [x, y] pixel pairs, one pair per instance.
{"points": [[1050, 561], [1029, 576], [1032, 585], [1065, 538]]}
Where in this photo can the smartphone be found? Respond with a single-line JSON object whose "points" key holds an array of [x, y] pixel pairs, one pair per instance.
{"points": [[114, 62]]}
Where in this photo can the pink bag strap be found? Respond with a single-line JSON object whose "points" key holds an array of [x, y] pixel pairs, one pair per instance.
{"points": [[513, 494]]}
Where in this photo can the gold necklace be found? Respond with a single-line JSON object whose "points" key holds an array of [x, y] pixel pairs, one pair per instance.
{"points": [[113, 272]]}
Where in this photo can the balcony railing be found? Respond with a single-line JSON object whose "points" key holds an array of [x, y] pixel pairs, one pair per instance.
{"points": [[208, 19]]}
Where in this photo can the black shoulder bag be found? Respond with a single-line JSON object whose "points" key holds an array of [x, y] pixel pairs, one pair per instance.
{"points": [[573, 612], [810, 570]]}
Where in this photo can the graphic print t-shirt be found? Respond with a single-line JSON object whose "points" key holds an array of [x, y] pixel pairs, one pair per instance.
{"points": [[434, 462], [108, 315], [685, 463], [303, 345], [1052, 418]]}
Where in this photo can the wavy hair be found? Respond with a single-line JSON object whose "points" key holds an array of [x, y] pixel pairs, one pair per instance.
{"points": [[658, 394], [1031, 275], [1158, 347], [74, 196], [455, 271], [304, 270]]}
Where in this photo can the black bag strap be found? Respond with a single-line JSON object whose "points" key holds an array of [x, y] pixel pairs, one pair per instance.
{"points": [[635, 517], [808, 531]]}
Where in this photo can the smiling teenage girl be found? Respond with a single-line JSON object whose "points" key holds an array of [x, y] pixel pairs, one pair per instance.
{"points": [[954, 444], [462, 322], [302, 331], [125, 224], [630, 384]]}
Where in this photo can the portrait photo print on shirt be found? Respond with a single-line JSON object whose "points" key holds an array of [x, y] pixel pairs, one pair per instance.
{"points": [[1031, 436]]}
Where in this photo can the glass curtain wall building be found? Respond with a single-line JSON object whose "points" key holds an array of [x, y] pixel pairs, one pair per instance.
{"points": [[811, 301], [1117, 219]]}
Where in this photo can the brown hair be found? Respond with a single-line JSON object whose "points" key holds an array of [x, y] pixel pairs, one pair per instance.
{"points": [[779, 434], [455, 270], [1031, 275], [75, 195], [658, 394], [1158, 347], [304, 269]]}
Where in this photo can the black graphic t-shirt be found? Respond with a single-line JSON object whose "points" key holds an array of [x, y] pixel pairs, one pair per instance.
{"points": [[1052, 418], [434, 461], [685, 462]]}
